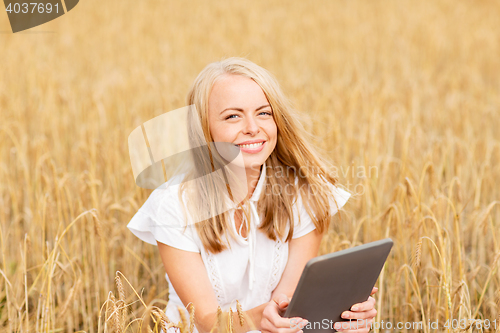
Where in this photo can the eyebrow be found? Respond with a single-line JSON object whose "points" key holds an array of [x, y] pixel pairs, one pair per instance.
{"points": [[239, 109]]}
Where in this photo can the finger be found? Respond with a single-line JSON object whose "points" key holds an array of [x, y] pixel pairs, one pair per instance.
{"points": [[297, 322], [353, 325], [275, 320], [364, 306], [282, 301], [360, 330], [290, 325], [374, 290], [359, 315]]}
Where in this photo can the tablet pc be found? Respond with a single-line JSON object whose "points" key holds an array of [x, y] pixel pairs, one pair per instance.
{"points": [[332, 283]]}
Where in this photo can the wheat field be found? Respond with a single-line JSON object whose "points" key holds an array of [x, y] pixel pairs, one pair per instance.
{"points": [[403, 96]]}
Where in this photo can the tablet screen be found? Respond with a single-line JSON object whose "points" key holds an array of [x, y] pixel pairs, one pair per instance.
{"points": [[332, 283]]}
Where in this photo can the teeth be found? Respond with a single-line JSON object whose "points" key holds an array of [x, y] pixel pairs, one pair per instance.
{"points": [[252, 145]]}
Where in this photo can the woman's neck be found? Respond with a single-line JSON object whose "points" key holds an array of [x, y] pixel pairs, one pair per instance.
{"points": [[245, 176], [253, 176]]}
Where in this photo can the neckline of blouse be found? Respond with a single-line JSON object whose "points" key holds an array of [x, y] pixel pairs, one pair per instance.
{"points": [[255, 197], [252, 225]]}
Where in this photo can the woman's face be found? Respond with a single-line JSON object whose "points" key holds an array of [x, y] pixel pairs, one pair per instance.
{"points": [[239, 113]]}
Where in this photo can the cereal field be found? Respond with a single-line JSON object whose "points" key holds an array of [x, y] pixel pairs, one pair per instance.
{"points": [[403, 96]]}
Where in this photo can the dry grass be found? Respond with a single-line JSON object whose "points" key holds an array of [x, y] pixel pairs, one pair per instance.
{"points": [[408, 88]]}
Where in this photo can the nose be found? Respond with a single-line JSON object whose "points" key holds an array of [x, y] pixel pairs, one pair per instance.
{"points": [[250, 127]]}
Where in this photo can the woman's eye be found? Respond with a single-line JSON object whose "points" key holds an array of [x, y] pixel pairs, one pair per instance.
{"points": [[267, 113], [230, 116]]}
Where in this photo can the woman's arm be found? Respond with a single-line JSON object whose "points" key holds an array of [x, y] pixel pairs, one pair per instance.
{"points": [[189, 277], [301, 250]]}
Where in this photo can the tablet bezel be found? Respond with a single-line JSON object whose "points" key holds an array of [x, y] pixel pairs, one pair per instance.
{"points": [[368, 259]]}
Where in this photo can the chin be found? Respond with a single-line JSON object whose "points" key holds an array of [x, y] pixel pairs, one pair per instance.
{"points": [[255, 163], [248, 162]]}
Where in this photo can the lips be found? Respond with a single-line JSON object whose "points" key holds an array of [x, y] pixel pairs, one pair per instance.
{"points": [[250, 141], [252, 147]]}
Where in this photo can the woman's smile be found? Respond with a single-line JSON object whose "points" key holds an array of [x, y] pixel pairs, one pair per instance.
{"points": [[240, 114], [252, 148]]}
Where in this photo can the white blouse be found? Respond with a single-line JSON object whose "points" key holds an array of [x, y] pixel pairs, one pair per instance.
{"points": [[249, 270]]}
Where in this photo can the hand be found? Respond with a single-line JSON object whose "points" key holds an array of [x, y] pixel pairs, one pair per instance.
{"points": [[364, 311], [272, 320]]}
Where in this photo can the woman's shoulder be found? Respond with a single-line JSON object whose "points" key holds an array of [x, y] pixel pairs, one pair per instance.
{"points": [[161, 219], [164, 201]]}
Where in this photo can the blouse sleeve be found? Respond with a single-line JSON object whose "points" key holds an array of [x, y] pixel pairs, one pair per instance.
{"points": [[161, 219], [306, 225]]}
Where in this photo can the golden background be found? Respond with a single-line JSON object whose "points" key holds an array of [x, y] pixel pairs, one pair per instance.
{"points": [[408, 88]]}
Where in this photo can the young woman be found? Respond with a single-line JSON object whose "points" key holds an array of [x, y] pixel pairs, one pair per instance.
{"points": [[252, 248]]}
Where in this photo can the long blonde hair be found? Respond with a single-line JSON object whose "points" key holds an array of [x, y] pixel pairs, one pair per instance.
{"points": [[293, 152]]}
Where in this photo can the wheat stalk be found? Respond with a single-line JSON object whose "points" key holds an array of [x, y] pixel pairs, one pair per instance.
{"points": [[240, 313], [183, 322], [415, 261], [191, 318], [427, 126], [121, 295], [230, 321]]}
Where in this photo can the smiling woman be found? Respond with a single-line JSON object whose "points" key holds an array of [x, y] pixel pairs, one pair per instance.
{"points": [[255, 250], [238, 112]]}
